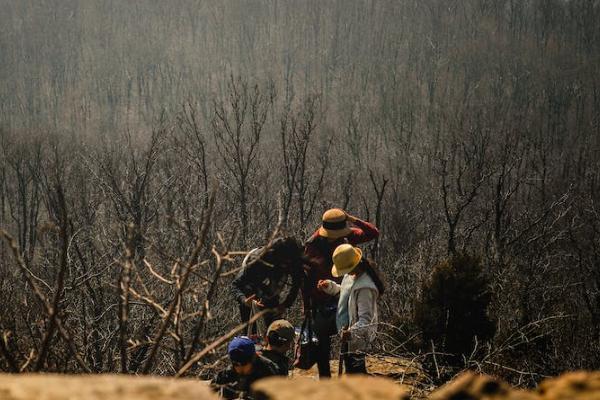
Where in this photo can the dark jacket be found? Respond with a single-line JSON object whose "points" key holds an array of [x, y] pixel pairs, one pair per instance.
{"points": [[232, 384], [266, 278], [320, 251], [280, 360]]}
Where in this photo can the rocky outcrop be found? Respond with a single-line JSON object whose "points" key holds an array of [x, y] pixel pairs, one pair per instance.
{"points": [[570, 386], [470, 386], [100, 387], [355, 387], [467, 386], [573, 385]]}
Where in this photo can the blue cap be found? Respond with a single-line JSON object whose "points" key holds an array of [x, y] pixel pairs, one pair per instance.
{"points": [[241, 349]]}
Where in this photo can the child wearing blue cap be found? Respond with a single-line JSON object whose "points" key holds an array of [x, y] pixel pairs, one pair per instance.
{"points": [[246, 368]]}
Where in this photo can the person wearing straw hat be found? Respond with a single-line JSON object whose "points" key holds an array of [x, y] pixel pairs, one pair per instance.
{"points": [[338, 227], [356, 317]]}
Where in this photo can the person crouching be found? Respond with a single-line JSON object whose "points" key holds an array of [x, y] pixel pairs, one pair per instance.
{"points": [[246, 368], [280, 337]]}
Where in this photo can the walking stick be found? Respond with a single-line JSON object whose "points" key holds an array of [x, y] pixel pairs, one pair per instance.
{"points": [[249, 327], [343, 350]]}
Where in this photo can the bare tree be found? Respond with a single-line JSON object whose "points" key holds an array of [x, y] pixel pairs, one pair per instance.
{"points": [[303, 180], [237, 126], [463, 168], [193, 143]]}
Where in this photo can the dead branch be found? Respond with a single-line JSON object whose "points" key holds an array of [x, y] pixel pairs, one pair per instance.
{"points": [[64, 333], [184, 278], [219, 342], [204, 313], [10, 360], [156, 274], [60, 281], [159, 309], [124, 299]]}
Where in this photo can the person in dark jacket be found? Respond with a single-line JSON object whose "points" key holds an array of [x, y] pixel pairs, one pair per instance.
{"points": [[337, 228], [246, 368], [280, 337], [264, 278]]}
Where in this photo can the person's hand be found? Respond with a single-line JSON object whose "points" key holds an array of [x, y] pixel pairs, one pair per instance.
{"points": [[322, 285], [350, 218], [345, 334], [248, 301], [252, 300]]}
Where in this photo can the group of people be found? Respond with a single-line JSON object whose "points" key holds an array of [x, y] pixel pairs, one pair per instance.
{"points": [[340, 287], [247, 365]]}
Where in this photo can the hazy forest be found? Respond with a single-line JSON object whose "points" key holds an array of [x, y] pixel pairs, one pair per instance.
{"points": [[146, 145]]}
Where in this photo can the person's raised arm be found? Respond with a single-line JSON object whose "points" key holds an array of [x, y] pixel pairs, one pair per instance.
{"points": [[362, 232]]}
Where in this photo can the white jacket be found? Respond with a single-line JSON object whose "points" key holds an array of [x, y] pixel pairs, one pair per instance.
{"points": [[362, 310]]}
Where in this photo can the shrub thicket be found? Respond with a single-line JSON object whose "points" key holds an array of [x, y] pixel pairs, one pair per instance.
{"points": [[453, 309]]}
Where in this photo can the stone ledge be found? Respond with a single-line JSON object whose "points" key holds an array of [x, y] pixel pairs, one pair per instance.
{"points": [[100, 387], [353, 387]]}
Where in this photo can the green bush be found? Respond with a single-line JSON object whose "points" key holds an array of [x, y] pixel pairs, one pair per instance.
{"points": [[452, 311]]}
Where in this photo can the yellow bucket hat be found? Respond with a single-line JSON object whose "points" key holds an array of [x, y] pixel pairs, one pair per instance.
{"points": [[334, 224], [345, 258]]}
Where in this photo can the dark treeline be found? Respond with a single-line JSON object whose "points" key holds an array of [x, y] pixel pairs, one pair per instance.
{"points": [[457, 127]]}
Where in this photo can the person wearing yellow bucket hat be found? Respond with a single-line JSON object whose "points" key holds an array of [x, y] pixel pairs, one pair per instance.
{"points": [[337, 227], [356, 317], [345, 259]]}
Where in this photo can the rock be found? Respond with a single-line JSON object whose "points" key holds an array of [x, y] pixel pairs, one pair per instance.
{"points": [[400, 370], [467, 386], [574, 385], [348, 387], [100, 387], [471, 386]]}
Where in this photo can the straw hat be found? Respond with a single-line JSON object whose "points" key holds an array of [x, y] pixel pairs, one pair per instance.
{"points": [[345, 258], [334, 224]]}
